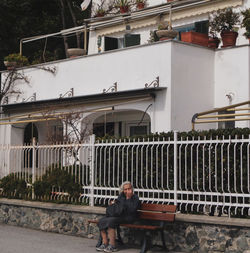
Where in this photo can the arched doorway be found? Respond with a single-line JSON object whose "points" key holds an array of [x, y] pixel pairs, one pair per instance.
{"points": [[30, 132]]}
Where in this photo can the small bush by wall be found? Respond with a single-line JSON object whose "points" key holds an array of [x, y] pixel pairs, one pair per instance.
{"points": [[14, 187]]}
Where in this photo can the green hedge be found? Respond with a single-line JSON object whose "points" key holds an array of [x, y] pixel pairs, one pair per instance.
{"points": [[14, 187], [58, 179], [212, 133]]}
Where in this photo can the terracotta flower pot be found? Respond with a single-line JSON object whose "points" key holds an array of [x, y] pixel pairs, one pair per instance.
{"points": [[123, 9], [195, 38], [213, 42], [140, 6], [10, 64], [166, 34], [229, 38], [99, 15]]}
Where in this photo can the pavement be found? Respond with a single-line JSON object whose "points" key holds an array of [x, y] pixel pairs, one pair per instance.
{"points": [[15, 239]]}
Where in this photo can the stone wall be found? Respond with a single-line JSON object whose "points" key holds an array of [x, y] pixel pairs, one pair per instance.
{"points": [[188, 234]]}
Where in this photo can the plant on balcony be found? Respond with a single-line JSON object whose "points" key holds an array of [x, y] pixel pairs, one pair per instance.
{"points": [[123, 5], [225, 22], [100, 9], [246, 22], [194, 37], [15, 60], [100, 12], [140, 4], [153, 37], [213, 40], [165, 31]]}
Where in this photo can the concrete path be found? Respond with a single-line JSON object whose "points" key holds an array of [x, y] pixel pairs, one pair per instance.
{"points": [[23, 240]]}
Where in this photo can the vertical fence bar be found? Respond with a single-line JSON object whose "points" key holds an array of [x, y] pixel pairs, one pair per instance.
{"points": [[92, 169], [175, 167], [33, 165]]}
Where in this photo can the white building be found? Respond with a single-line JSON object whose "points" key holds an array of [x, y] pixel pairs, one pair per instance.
{"points": [[149, 87]]}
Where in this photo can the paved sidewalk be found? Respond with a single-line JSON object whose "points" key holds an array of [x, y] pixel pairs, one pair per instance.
{"points": [[23, 240]]}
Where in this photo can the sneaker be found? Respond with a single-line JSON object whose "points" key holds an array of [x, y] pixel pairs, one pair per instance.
{"points": [[110, 248], [101, 248]]}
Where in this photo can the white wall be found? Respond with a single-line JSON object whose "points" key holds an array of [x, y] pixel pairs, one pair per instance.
{"points": [[5, 133], [192, 85], [196, 79], [130, 68], [232, 77]]}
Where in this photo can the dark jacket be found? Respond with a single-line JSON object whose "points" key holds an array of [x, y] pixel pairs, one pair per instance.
{"points": [[130, 206], [123, 211]]}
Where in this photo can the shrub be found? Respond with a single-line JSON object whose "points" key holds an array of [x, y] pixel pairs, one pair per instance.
{"points": [[58, 179], [225, 20], [14, 187], [20, 60], [246, 22]]}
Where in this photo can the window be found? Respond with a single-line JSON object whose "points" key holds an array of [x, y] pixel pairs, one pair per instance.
{"points": [[135, 129], [110, 43], [201, 27], [132, 40], [226, 124], [127, 41], [57, 133], [102, 129]]}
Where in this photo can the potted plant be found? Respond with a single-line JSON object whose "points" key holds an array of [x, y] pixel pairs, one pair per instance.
{"points": [[225, 22], [123, 5], [15, 60], [165, 32], [100, 12], [140, 4], [213, 40], [195, 38], [75, 52], [99, 9], [246, 23]]}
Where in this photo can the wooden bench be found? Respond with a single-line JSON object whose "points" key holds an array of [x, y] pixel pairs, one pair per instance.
{"points": [[157, 214]]}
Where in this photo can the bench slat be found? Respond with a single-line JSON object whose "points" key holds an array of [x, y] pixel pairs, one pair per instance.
{"points": [[141, 226], [158, 208], [157, 216], [93, 221]]}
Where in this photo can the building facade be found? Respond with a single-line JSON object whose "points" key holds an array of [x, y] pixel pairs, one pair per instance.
{"points": [[127, 85]]}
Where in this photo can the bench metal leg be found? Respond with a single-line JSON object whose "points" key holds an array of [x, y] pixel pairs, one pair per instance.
{"points": [[146, 243], [119, 239], [163, 240]]}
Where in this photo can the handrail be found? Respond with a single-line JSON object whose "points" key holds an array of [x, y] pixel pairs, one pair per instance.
{"points": [[200, 118]]}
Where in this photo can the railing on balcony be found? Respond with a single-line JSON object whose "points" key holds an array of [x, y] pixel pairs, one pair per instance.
{"points": [[200, 175]]}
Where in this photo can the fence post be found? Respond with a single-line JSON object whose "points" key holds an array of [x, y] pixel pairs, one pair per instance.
{"points": [[175, 167], [33, 165], [92, 168]]}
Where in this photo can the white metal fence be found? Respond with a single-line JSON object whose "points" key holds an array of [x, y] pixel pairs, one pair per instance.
{"points": [[200, 175]]}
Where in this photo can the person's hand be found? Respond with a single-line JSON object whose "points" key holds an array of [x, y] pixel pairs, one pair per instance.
{"points": [[111, 202]]}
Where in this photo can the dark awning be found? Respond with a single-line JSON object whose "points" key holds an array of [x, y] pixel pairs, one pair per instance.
{"points": [[80, 100]]}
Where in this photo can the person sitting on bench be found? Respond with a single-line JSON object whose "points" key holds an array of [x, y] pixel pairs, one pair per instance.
{"points": [[122, 210]]}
